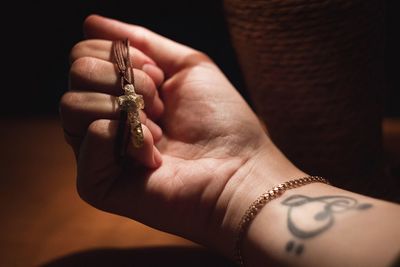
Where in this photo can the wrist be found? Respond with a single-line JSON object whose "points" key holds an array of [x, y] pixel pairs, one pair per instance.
{"points": [[268, 238], [300, 226], [265, 169]]}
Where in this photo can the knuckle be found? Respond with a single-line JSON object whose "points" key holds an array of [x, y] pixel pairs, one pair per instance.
{"points": [[198, 58], [141, 37], [77, 51], [202, 57], [96, 126], [70, 102], [98, 132], [83, 49], [82, 67]]}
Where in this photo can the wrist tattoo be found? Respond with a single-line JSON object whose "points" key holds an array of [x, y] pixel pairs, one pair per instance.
{"points": [[322, 212]]}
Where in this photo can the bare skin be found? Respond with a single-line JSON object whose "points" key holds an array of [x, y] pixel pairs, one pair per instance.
{"points": [[205, 157]]}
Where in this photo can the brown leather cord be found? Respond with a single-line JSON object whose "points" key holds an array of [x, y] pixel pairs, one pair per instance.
{"points": [[123, 62], [122, 58], [130, 102]]}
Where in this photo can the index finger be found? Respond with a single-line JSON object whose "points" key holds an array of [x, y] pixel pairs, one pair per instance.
{"points": [[169, 55]]}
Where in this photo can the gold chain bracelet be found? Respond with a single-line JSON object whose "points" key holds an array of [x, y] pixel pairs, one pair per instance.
{"points": [[261, 201]]}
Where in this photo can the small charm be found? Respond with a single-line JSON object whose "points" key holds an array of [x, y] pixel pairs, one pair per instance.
{"points": [[132, 103]]}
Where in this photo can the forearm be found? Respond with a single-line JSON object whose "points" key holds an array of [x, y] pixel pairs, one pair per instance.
{"points": [[320, 225], [312, 225]]}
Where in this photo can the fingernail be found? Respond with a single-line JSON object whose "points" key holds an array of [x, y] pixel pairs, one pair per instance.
{"points": [[148, 66], [157, 157], [154, 72]]}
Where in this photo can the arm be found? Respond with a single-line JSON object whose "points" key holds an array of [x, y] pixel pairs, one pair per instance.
{"points": [[205, 158], [321, 225]]}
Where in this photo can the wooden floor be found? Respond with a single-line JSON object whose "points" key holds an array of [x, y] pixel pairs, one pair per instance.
{"points": [[41, 216], [44, 222]]}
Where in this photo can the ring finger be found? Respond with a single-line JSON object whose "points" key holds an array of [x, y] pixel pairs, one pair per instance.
{"points": [[79, 109]]}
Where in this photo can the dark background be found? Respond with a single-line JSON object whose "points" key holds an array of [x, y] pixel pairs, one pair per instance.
{"points": [[38, 39]]}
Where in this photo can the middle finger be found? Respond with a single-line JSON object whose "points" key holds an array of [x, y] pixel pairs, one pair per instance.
{"points": [[102, 49], [92, 74]]}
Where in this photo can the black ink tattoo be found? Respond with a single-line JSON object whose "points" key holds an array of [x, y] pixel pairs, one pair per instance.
{"points": [[291, 246], [323, 219]]}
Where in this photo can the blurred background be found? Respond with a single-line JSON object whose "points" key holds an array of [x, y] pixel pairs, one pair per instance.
{"points": [[43, 221], [37, 43], [47, 30]]}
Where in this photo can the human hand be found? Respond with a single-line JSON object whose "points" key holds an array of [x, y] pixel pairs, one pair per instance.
{"points": [[198, 178]]}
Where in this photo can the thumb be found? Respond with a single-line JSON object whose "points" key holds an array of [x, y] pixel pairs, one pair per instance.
{"points": [[170, 56]]}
